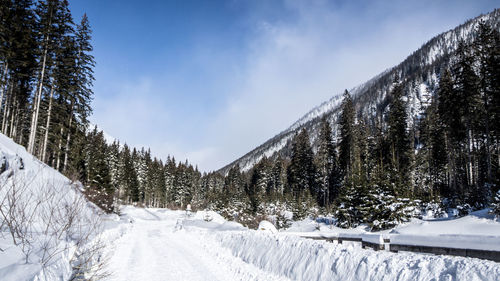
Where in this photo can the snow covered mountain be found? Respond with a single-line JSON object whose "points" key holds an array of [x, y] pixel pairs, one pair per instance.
{"points": [[419, 72]]}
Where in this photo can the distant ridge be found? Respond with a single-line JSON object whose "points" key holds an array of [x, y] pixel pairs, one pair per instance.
{"points": [[419, 71]]}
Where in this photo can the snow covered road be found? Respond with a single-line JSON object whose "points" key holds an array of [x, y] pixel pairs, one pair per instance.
{"points": [[154, 249], [162, 244]]}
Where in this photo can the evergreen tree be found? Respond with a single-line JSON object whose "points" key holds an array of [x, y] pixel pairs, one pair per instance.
{"points": [[346, 142], [97, 171], [20, 49], [328, 170], [277, 181], [129, 180], [301, 173], [432, 156], [487, 52], [258, 184], [400, 150], [495, 206]]}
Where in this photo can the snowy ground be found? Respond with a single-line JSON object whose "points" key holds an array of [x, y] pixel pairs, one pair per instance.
{"points": [[166, 245]]}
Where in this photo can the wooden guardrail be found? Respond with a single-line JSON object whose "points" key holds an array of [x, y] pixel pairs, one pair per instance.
{"points": [[385, 244]]}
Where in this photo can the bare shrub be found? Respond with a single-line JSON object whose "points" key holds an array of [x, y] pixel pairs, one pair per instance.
{"points": [[46, 219], [101, 198]]}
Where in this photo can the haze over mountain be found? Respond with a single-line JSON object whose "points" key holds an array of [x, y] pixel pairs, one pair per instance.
{"points": [[419, 72]]}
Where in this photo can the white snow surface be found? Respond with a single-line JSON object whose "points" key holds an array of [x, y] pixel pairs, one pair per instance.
{"points": [[159, 244], [45, 198], [267, 226]]}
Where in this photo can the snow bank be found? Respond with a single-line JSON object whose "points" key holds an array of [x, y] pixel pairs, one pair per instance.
{"points": [[373, 238], [478, 223], [476, 242], [303, 259], [266, 226], [48, 214], [209, 216]]}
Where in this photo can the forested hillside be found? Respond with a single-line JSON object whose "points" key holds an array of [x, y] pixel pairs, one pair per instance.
{"points": [[420, 71]]}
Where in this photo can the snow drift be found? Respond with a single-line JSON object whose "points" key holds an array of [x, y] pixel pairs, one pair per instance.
{"points": [[301, 259]]}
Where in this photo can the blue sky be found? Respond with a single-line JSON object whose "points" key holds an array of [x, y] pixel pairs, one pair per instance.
{"points": [[211, 80]]}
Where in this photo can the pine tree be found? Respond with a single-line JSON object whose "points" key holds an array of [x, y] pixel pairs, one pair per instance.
{"points": [[495, 206], [302, 172], [258, 184], [277, 182], [20, 63], [400, 150], [46, 25], [129, 181], [432, 156], [169, 172], [326, 162], [85, 64], [487, 52], [98, 175], [346, 142], [466, 87]]}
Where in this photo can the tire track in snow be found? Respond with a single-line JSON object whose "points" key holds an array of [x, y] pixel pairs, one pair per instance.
{"points": [[153, 250]]}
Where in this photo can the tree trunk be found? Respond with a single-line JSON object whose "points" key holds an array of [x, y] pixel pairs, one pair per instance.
{"points": [[4, 87], [47, 126], [470, 172], [6, 111], [12, 117], [59, 147], [488, 142], [68, 138], [36, 109]]}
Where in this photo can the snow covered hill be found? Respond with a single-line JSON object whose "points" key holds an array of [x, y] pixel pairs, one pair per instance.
{"points": [[48, 230], [419, 72]]}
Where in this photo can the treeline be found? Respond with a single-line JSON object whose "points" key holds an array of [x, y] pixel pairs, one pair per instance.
{"points": [[116, 173], [45, 78]]}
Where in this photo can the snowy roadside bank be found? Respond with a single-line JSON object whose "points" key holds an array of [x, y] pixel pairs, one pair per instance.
{"points": [[302, 259]]}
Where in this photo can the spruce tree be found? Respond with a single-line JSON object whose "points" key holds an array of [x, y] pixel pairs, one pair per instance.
{"points": [[487, 52], [400, 150], [258, 183], [346, 142], [468, 104], [20, 51], [495, 206], [277, 179], [98, 173], [129, 180], [301, 173], [326, 162]]}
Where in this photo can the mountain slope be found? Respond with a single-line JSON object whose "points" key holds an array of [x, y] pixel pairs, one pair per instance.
{"points": [[419, 72]]}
